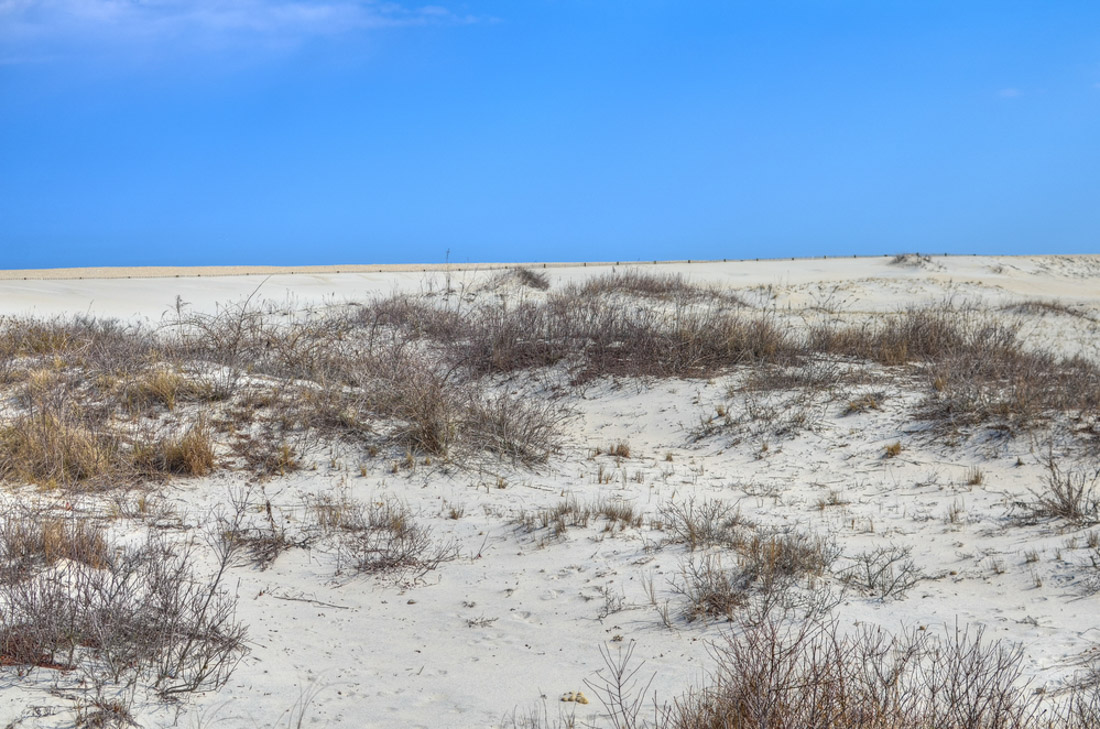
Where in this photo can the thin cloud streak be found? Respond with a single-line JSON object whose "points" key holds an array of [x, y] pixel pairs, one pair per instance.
{"points": [[31, 22]]}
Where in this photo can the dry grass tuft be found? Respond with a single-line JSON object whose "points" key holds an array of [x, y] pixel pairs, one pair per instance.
{"points": [[31, 540], [54, 447], [1070, 496], [189, 454]]}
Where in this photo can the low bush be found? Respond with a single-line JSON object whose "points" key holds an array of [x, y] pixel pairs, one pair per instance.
{"points": [[379, 538], [703, 524], [143, 617], [58, 447], [760, 577], [190, 453], [31, 540], [885, 572], [1070, 496], [979, 371], [778, 675]]}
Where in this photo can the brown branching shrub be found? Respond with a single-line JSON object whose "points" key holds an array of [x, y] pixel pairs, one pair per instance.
{"points": [[413, 317], [704, 524], [761, 575], [380, 538], [31, 540], [98, 344], [632, 282], [712, 589], [979, 372], [56, 446], [1070, 496], [143, 617], [788, 554], [523, 430], [886, 572], [501, 339], [780, 675], [163, 387]]}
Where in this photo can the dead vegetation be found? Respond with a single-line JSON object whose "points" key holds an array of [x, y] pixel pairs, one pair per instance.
{"points": [[96, 404], [380, 538], [124, 617], [762, 573], [783, 675], [555, 521], [254, 384], [1070, 496]]}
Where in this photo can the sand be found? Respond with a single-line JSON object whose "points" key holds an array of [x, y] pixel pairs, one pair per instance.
{"points": [[519, 618]]}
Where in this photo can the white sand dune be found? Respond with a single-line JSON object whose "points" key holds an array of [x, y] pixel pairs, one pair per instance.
{"points": [[518, 619]]}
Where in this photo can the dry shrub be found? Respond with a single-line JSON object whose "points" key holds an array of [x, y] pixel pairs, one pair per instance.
{"points": [[777, 675], [632, 282], [1039, 307], [915, 260], [269, 455], [431, 409], [335, 512], [239, 338], [501, 339], [145, 617], [594, 328], [54, 446], [618, 513], [397, 382], [713, 590], [979, 371], [95, 345], [690, 341], [865, 402], [765, 577], [525, 430], [379, 537], [518, 276], [1070, 496], [709, 523], [253, 530], [532, 279], [413, 317], [619, 449], [164, 387], [787, 554], [886, 572], [190, 453], [33, 539]]}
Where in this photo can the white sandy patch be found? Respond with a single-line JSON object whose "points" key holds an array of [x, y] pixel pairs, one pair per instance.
{"points": [[518, 619]]}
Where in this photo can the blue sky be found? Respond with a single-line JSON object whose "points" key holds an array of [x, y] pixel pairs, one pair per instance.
{"points": [[191, 132]]}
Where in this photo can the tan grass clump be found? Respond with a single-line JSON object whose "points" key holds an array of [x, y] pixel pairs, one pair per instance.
{"points": [[190, 453], [52, 448]]}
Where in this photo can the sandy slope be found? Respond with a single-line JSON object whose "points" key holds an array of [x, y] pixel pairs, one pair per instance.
{"points": [[518, 619]]}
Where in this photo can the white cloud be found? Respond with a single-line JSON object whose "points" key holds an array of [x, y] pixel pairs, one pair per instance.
{"points": [[1010, 93], [30, 23]]}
